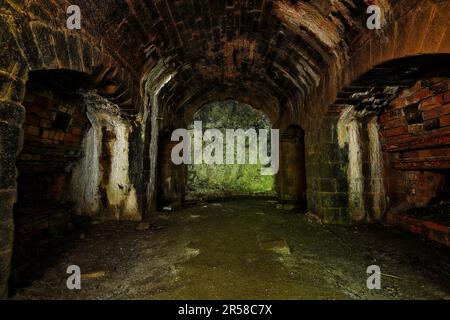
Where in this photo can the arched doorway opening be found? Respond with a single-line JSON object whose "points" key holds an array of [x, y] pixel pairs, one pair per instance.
{"points": [[291, 179], [171, 178], [392, 145], [73, 166], [215, 181], [55, 125]]}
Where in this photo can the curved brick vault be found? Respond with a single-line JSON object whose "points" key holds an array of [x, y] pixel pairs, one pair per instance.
{"points": [[294, 60], [299, 53]]}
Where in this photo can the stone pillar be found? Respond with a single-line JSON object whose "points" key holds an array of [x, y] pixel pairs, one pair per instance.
{"points": [[349, 129], [105, 165], [345, 169], [326, 167], [377, 189], [11, 118]]}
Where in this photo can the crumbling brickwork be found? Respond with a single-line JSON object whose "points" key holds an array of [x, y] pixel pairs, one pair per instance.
{"points": [[54, 128], [414, 132]]}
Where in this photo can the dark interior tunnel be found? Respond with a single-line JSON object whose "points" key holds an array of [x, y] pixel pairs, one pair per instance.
{"points": [[323, 149]]}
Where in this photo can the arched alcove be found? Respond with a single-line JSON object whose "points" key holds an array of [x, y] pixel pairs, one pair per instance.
{"points": [[291, 179], [213, 181]]}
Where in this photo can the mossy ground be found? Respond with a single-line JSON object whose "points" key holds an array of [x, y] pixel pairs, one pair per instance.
{"points": [[219, 251]]}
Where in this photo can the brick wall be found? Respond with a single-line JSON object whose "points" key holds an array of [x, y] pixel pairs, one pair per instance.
{"points": [[54, 128], [53, 132], [326, 167], [415, 135], [290, 181]]}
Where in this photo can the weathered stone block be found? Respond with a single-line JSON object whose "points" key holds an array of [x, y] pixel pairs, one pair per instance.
{"points": [[6, 235], [7, 200], [331, 215], [328, 185], [61, 49], [10, 144], [28, 44], [334, 200], [5, 269], [332, 170], [9, 53], [45, 42], [12, 112]]}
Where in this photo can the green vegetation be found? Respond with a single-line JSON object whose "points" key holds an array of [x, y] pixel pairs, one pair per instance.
{"points": [[212, 181]]}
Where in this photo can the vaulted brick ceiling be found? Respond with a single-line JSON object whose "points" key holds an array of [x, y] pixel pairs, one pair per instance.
{"points": [[257, 48], [275, 52]]}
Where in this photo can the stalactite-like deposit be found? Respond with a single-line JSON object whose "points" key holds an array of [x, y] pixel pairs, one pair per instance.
{"points": [[349, 129], [86, 175], [376, 169], [119, 200]]}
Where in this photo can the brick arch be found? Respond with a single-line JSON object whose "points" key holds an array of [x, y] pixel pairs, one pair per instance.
{"points": [[33, 46], [291, 178], [292, 131], [268, 106], [423, 30], [170, 186], [385, 88], [28, 47], [412, 30]]}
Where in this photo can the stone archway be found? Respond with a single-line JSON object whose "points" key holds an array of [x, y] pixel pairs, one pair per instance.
{"points": [[346, 152], [171, 183], [39, 47], [291, 180]]}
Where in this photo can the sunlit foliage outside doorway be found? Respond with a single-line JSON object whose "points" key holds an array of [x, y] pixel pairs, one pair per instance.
{"points": [[219, 181]]}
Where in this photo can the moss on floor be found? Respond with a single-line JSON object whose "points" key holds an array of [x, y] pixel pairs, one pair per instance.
{"points": [[246, 249]]}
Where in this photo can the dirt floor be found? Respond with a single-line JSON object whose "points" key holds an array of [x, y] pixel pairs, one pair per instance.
{"points": [[244, 250]]}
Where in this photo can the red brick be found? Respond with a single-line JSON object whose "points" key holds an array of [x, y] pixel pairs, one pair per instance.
{"points": [[44, 102], [396, 131], [440, 152], [45, 134], [436, 112], [440, 87], [32, 120], [71, 137], [446, 97], [430, 103], [76, 131], [444, 121], [59, 136], [32, 130], [45, 124], [398, 103], [399, 122], [419, 95], [391, 115]]}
